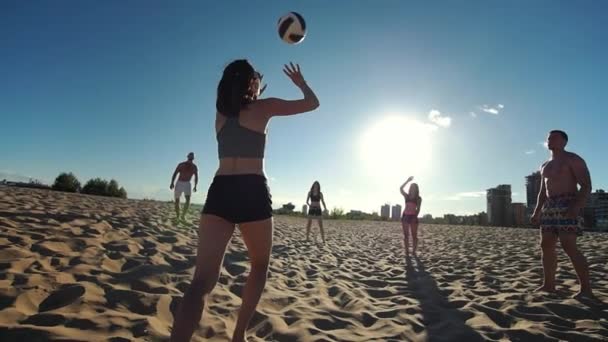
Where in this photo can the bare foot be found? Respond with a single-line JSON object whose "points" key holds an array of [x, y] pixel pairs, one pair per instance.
{"points": [[546, 288]]}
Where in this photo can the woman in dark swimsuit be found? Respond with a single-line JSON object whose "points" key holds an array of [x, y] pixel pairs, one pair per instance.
{"points": [[239, 194], [409, 220], [314, 200]]}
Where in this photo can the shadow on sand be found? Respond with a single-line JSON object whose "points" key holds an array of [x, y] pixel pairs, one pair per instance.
{"points": [[442, 322]]}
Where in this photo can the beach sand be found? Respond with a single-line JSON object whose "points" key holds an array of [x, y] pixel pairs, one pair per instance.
{"points": [[85, 268]]}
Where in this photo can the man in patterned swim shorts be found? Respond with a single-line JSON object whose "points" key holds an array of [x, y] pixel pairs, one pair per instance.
{"points": [[557, 208]]}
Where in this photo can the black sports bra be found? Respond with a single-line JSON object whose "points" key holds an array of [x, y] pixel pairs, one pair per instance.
{"points": [[234, 140]]}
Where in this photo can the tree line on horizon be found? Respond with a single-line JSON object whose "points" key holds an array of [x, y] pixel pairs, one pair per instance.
{"points": [[68, 182], [338, 213], [335, 214]]}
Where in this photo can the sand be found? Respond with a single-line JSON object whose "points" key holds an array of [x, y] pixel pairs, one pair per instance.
{"points": [[86, 268]]}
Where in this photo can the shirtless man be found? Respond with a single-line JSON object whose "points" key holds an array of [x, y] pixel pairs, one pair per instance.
{"points": [[186, 170], [559, 203]]}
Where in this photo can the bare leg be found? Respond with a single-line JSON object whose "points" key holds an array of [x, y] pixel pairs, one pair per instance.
{"points": [[308, 229], [186, 207], [258, 239], [568, 242], [321, 228], [404, 226], [214, 235], [177, 208], [549, 257], [414, 229]]}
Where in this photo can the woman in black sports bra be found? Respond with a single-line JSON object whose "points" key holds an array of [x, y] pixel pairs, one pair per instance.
{"points": [[239, 193], [314, 200]]}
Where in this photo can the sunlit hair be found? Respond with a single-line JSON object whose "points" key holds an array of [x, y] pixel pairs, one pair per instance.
{"points": [[318, 185], [235, 91]]}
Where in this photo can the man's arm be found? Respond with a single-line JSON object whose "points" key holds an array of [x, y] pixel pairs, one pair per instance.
{"points": [[403, 191], [540, 198], [323, 201], [583, 178], [195, 177], [174, 175], [403, 186]]}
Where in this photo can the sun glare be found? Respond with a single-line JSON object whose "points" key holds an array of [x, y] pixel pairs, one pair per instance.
{"points": [[396, 147]]}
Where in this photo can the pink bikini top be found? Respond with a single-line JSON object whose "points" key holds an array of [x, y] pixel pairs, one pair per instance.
{"points": [[410, 207]]}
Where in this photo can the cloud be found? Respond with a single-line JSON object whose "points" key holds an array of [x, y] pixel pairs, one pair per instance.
{"points": [[473, 114], [438, 119], [530, 152], [466, 195], [492, 110]]}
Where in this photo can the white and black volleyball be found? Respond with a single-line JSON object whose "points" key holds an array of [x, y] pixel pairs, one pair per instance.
{"points": [[292, 28]]}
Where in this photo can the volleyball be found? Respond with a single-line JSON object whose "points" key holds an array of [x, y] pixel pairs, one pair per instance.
{"points": [[292, 28]]}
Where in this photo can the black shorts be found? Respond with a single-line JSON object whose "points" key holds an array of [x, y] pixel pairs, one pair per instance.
{"points": [[409, 219], [239, 198], [314, 211]]}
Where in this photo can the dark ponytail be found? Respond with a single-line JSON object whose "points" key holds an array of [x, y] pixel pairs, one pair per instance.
{"points": [[233, 91]]}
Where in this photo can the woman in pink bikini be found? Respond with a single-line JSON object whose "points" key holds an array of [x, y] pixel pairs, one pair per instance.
{"points": [[409, 220]]}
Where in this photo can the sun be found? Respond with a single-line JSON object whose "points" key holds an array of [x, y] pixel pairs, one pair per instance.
{"points": [[396, 147]]}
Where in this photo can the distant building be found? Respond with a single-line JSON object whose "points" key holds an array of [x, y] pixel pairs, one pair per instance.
{"points": [[519, 214], [396, 212], [597, 205], [469, 220], [532, 190], [483, 219], [499, 206], [305, 209], [385, 211], [426, 218], [450, 219]]}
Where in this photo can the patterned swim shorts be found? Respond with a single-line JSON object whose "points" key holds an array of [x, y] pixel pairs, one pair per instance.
{"points": [[552, 217]]}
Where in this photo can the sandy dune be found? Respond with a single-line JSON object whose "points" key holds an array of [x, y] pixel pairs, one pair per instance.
{"points": [[75, 267]]}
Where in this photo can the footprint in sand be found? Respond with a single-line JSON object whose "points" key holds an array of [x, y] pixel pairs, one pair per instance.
{"points": [[6, 302], [368, 320], [330, 324], [45, 320], [23, 334], [133, 301], [62, 297]]}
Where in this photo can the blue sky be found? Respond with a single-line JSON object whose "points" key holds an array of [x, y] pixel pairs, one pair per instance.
{"points": [[125, 90]]}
